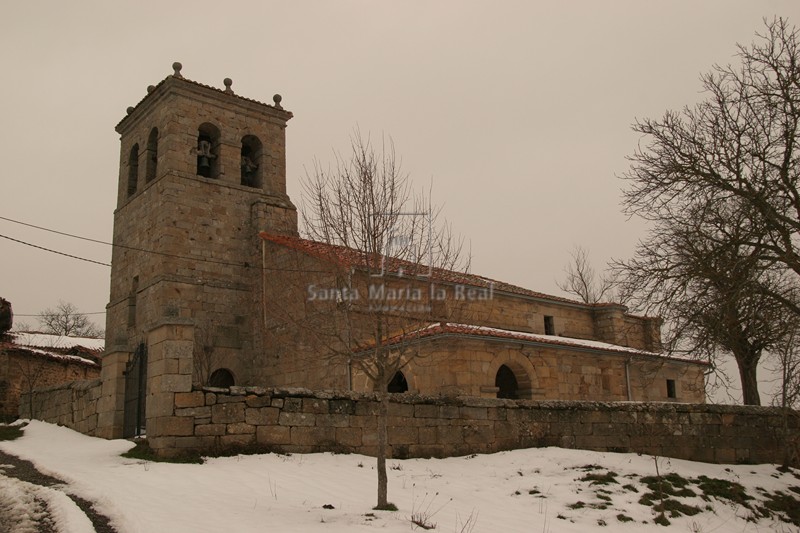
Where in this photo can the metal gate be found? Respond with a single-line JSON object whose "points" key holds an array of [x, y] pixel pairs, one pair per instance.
{"points": [[135, 393]]}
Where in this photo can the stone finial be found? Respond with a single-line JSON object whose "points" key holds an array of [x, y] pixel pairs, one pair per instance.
{"points": [[277, 99], [150, 88], [130, 109], [177, 68], [228, 82]]}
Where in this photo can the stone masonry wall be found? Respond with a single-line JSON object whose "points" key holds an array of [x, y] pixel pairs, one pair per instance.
{"points": [[20, 366], [301, 421], [73, 405], [181, 417], [210, 420]]}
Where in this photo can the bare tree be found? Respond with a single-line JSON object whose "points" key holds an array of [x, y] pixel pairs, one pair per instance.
{"points": [[712, 292], [719, 182], [583, 281], [740, 146], [388, 251], [66, 320]]}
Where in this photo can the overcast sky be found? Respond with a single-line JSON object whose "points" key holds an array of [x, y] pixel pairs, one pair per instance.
{"points": [[519, 113]]}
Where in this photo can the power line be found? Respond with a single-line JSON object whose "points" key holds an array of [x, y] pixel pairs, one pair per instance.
{"points": [[133, 248], [56, 251], [123, 246], [55, 231]]}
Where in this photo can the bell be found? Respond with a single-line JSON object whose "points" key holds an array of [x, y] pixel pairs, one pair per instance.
{"points": [[203, 163]]}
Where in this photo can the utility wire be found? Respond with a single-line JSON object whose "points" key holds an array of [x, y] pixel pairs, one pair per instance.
{"points": [[143, 250], [55, 231], [56, 251], [123, 246]]}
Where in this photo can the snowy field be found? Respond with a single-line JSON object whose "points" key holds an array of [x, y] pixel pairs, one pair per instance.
{"points": [[537, 490]]}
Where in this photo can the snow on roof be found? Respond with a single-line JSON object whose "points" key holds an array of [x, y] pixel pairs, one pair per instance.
{"points": [[484, 331], [60, 356], [46, 340]]}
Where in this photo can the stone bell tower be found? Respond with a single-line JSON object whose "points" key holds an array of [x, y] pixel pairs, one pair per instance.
{"points": [[202, 170]]}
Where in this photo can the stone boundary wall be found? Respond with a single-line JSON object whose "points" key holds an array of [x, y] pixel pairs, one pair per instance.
{"points": [[302, 421], [290, 420], [72, 404]]}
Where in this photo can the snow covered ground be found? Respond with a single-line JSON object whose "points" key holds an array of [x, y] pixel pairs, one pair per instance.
{"points": [[536, 490]]}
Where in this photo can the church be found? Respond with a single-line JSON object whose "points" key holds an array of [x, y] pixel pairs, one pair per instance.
{"points": [[206, 235]]}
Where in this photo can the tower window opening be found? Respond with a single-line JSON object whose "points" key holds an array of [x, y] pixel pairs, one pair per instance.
{"points": [[152, 155], [208, 151], [133, 170], [251, 161]]}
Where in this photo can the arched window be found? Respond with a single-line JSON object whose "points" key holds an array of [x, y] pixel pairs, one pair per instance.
{"points": [[208, 151], [506, 381], [221, 377], [398, 383], [133, 170], [251, 161], [152, 155]]}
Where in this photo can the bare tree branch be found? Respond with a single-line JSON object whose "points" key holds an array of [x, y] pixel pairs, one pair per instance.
{"points": [[584, 282], [720, 183], [66, 320]]}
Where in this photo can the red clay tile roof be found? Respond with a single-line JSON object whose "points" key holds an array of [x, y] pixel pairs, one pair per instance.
{"points": [[350, 258]]}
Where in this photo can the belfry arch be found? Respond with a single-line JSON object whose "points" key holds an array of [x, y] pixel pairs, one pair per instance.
{"points": [[133, 170], [208, 138], [151, 164], [251, 165]]}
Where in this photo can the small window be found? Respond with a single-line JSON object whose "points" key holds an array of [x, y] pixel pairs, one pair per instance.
{"points": [[398, 383], [671, 393], [133, 170], [152, 155], [221, 377], [549, 325]]}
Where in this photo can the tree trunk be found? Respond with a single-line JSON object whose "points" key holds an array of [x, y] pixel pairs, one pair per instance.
{"points": [[383, 481], [747, 374]]}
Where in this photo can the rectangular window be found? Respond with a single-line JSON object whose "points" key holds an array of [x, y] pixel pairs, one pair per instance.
{"points": [[549, 325], [671, 389]]}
